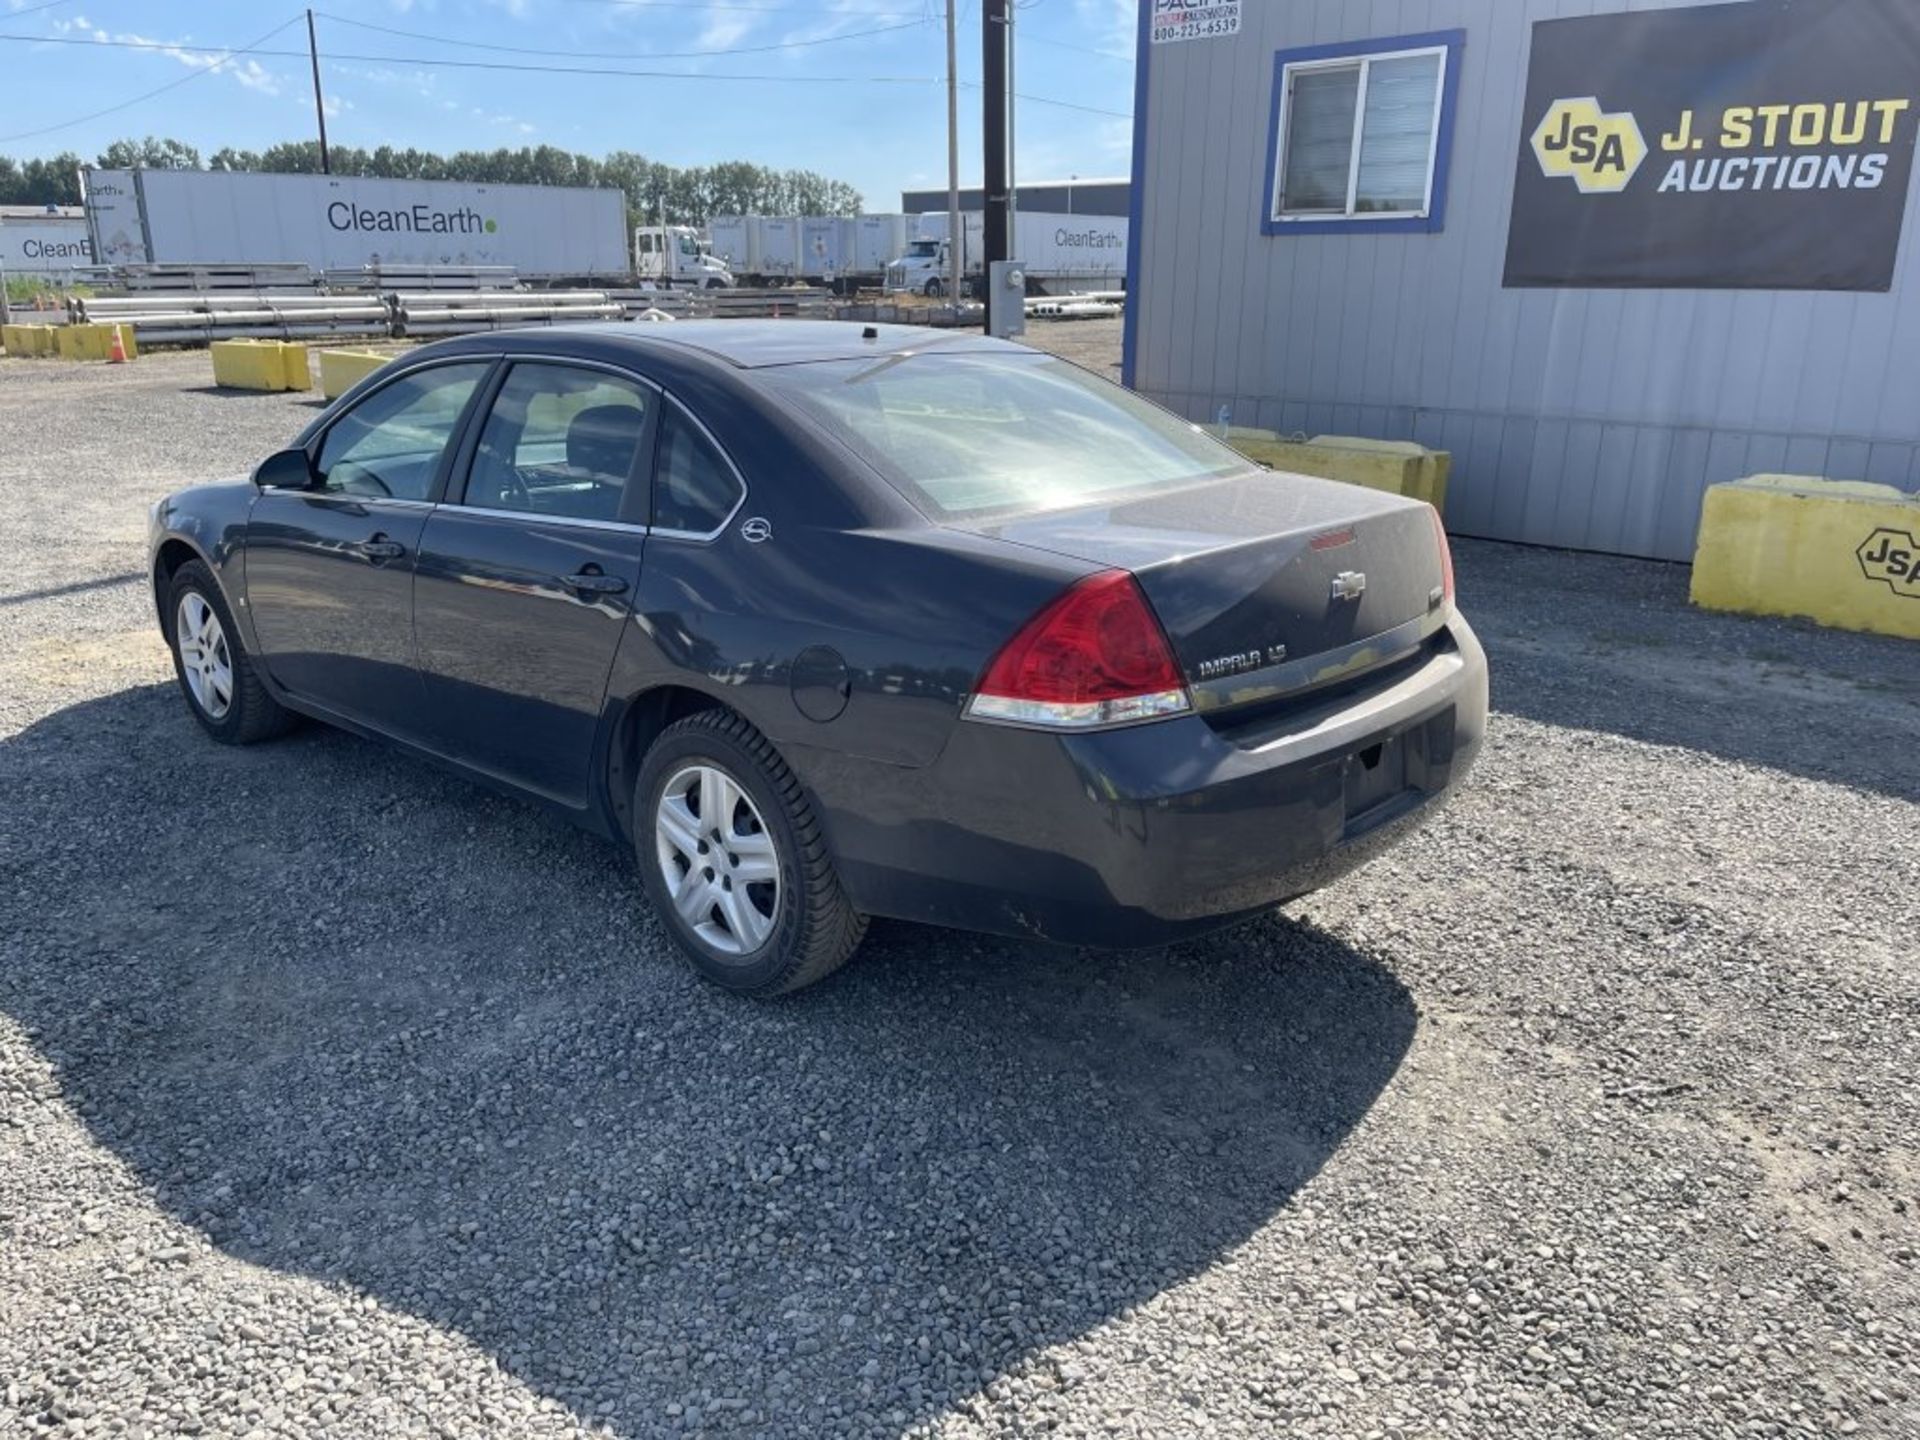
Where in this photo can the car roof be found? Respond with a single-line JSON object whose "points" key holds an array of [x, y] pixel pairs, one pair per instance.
{"points": [[752, 344]]}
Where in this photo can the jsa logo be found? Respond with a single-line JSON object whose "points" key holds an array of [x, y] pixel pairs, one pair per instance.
{"points": [[1577, 140], [1893, 558]]}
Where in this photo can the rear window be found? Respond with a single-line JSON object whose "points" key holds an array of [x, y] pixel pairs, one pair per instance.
{"points": [[970, 435]]}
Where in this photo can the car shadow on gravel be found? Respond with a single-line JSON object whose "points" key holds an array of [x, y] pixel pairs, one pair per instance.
{"points": [[360, 1022]]}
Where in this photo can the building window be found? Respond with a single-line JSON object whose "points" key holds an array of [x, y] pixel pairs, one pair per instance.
{"points": [[1361, 134]]}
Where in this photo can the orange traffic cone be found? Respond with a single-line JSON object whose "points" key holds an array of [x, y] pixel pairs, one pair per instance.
{"points": [[117, 352]]}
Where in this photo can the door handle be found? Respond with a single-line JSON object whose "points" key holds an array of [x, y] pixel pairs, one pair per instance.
{"points": [[380, 549], [591, 581]]}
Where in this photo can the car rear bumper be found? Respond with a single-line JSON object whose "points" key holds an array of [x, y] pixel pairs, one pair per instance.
{"points": [[1144, 835]]}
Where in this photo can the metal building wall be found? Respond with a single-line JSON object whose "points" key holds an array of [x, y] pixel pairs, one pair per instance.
{"points": [[1081, 197], [1586, 418]]}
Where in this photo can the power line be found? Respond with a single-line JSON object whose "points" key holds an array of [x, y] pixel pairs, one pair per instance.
{"points": [[512, 67], [164, 47], [208, 69], [686, 5], [36, 9], [617, 55], [1057, 104], [1026, 39]]}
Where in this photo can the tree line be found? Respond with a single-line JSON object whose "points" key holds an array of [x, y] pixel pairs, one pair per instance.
{"points": [[684, 195]]}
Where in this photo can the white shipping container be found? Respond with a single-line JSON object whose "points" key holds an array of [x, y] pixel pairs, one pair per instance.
{"points": [[330, 221], [779, 245], [736, 240], [113, 217], [878, 241], [1089, 248], [820, 248], [44, 244]]}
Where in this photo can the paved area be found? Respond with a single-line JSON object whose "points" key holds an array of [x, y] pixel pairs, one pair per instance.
{"points": [[339, 1097]]}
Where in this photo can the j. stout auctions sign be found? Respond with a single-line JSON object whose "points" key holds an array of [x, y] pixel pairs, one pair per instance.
{"points": [[1759, 146]]}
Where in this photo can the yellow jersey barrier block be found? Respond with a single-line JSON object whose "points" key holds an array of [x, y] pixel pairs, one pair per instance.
{"points": [[89, 342], [1843, 553], [1399, 466], [26, 340], [341, 370], [261, 365]]}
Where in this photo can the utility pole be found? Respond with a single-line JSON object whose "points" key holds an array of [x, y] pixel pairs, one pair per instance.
{"points": [[1013, 139], [319, 105], [993, 87], [956, 237]]}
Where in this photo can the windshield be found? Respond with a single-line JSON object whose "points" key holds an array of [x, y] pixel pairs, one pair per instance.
{"points": [[1006, 432], [920, 249]]}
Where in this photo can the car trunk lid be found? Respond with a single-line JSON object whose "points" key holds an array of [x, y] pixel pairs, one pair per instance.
{"points": [[1267, 584]]}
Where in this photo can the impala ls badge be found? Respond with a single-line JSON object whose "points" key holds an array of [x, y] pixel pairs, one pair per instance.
{"points": [[1221, 665], [756, 529], [1349, 585]]}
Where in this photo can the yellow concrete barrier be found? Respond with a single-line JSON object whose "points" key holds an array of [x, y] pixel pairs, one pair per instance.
{"points": [[79, 342], [261, 365], [68, 342], [1843, 553], [27, 338], [341, 370], [1399, 466]]}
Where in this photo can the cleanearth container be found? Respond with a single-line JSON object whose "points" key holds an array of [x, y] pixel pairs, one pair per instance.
{"points": [[330, 222], [1061, 254]]}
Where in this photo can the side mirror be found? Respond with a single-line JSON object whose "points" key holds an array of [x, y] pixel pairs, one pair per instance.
{"points": [[285, 470]]}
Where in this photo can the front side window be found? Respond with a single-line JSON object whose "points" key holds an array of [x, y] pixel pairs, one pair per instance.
{"points": [[1002, 434], [561, 441], [389, 445], [1360, 136]]}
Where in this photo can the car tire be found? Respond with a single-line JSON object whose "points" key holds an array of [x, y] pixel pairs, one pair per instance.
{"points": [[934, 290], [215, 672], [764, 937]]}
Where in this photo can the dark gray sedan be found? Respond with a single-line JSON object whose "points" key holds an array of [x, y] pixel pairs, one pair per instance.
{"points": [[829, 622]]}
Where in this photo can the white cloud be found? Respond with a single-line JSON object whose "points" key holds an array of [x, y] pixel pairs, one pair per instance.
{"points": [[502, 119], [249, 72], [420, 81], [1115, 23], [845, 15], [724, 29]]}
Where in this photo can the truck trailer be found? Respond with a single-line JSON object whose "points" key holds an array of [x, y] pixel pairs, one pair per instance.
{"points": [[45, 240], [329, 222], [838, 250], [1061, 254]]}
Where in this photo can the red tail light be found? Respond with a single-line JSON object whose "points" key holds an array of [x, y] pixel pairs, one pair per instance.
{"points": [[1094, 656], [1446, 553]]}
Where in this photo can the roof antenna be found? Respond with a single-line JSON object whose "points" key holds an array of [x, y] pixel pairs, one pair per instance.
{"points": [[870, 333]]}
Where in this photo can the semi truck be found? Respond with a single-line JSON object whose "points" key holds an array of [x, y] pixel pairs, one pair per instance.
{"points": [[670, 255], [337, 222], [1061, 254]]}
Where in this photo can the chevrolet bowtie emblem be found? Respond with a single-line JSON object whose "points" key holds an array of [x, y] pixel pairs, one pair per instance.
{"points": [[1349, 585]]}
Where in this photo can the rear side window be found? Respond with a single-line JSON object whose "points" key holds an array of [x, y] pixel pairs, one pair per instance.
{"points": [[560, 440], [389, 445], [694, 489], [1002, 433]]}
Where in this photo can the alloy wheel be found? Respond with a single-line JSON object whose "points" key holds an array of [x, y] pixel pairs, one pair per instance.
{"points": [[718, 859], [204, 658]]}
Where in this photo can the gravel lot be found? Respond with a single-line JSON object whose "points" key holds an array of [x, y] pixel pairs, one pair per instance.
{"points": [[340, 1097]]}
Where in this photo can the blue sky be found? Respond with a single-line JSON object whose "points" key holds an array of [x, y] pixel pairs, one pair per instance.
{"points": [[819, 101]]}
